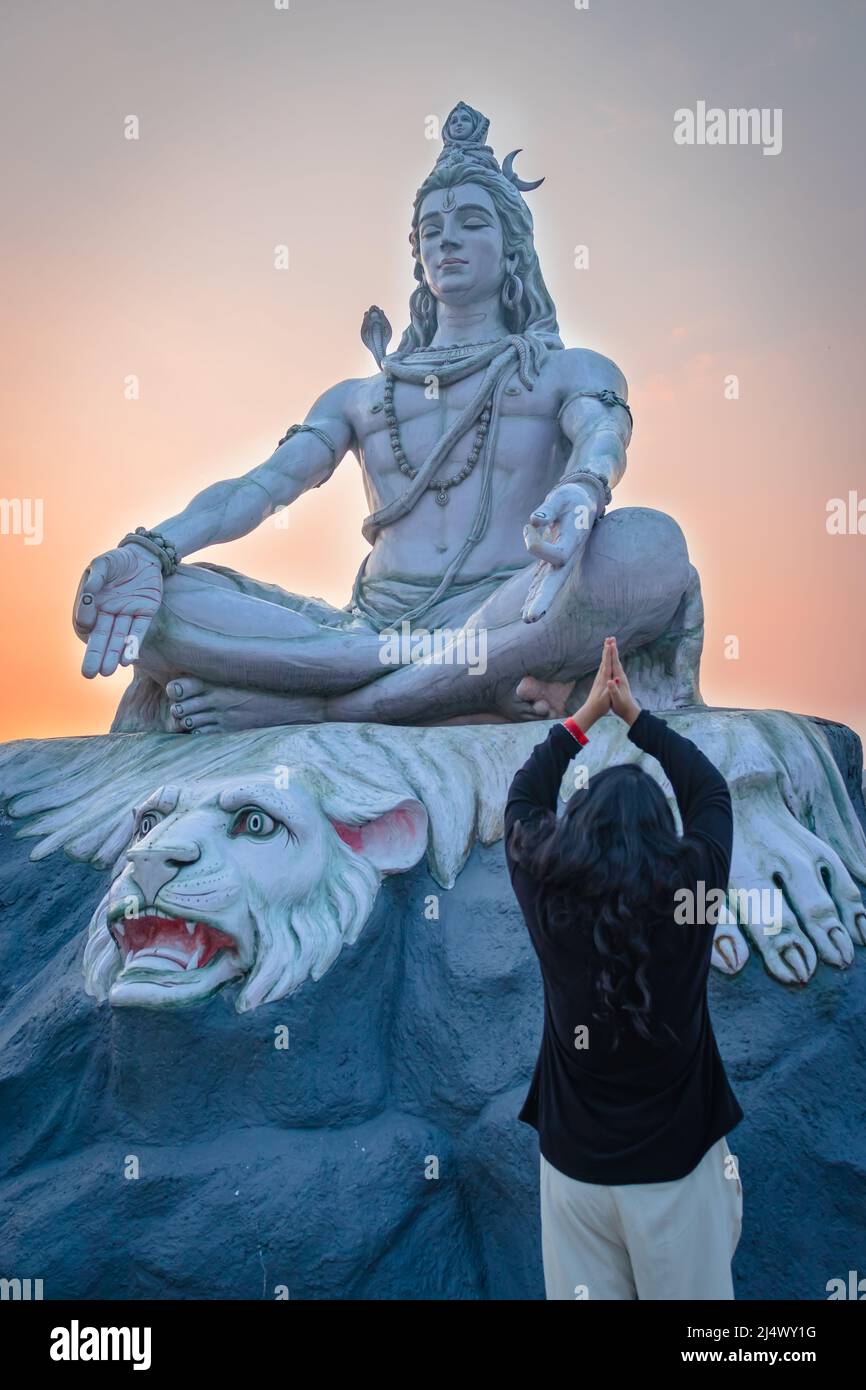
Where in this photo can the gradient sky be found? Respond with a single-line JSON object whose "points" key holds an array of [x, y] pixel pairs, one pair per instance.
{"points": [[307, 127]]}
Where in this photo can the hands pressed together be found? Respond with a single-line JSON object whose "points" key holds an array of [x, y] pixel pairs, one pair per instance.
{"points": [[610, 691]]}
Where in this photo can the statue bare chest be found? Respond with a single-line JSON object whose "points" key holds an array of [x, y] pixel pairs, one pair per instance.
{"points": [[528, 442]]}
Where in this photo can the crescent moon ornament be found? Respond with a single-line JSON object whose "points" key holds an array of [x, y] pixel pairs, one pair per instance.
{"points": [[509, 173]]}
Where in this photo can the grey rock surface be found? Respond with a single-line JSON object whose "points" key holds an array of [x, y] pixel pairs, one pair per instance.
{"points": [[379, 1154]]}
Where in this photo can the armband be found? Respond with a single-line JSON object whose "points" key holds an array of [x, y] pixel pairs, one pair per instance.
{"points": [[313, 429], [606, 398]]}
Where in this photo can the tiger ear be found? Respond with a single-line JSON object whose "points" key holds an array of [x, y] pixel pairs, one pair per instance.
{"points": [[392, 842]]}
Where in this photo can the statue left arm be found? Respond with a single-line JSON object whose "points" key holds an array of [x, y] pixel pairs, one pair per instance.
{"points": [[598, 424], [595, 418]]}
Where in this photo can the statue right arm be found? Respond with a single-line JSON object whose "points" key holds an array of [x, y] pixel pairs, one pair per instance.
{"points": [[120, 591], [234, 507]]}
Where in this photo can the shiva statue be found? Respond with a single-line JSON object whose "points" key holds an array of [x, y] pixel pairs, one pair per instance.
{"points": [[489, 453]]}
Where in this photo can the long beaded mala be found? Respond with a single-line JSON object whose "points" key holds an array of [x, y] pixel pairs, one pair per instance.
{"points": [[439, 485]]}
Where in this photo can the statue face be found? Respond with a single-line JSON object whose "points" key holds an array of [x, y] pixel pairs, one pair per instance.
{"points": [[460, 125], [460, 244]]}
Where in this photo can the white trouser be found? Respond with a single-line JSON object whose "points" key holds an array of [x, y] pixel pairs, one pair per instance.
{"points": [[643, 1240]]}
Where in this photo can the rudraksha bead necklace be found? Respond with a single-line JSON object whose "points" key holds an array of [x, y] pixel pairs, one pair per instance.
{"points": [[440, 485]]}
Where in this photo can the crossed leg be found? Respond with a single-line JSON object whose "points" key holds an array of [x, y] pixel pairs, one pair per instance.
{"points": [[629, 582], [243, 654], [298, 660], [237, 653]]}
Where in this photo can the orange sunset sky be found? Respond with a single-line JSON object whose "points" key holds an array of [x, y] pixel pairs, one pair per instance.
{"points": [[306, 127]]}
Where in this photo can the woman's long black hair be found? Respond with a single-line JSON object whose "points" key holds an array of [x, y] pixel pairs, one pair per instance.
{"points": [[613, 858]]}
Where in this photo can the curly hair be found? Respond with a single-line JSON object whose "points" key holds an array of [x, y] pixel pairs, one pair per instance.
{"points": [[612, 859]]}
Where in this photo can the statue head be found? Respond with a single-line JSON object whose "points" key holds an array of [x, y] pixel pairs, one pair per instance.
{"points": [[466, 127], [468, 198]]}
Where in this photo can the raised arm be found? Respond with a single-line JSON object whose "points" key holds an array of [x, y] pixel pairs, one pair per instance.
{"points": [[701, 791], [535, 786]]}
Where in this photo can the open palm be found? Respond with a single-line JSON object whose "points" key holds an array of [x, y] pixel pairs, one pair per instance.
{"points": [[118, 596], [556, 541]]}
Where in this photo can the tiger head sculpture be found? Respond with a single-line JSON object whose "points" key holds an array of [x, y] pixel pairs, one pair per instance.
{"points": [[252, 859], [240, 880]]}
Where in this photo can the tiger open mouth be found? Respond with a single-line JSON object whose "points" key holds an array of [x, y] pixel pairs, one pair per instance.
{"points": [[157, 941]]}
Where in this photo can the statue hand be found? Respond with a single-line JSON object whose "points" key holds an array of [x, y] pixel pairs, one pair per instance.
{"points": [[557, 532], [119, 593]]}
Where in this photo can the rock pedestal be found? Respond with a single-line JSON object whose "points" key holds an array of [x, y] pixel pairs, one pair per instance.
{"points": [[358, 1138]]}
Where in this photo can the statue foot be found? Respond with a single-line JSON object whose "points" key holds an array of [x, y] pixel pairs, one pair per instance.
{"points": [[791, 891], [197, 706], [547, 698], [799, 855], [730, 949]]}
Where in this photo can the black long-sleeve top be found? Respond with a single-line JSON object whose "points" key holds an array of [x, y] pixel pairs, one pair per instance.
{"points": [[643, 1112]]}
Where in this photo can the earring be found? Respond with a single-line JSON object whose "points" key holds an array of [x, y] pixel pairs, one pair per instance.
{"points": [[422, 300], [512, 291]]}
